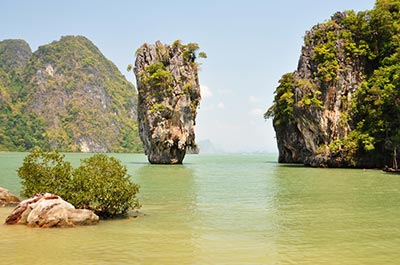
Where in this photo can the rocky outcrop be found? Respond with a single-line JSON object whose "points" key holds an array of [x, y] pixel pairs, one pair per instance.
{"points": [[66, 95], [169, 94], [340, 108], [50, 211], [318, 124], [93, 106], [8, 199], [14, 55], [327, 76]]}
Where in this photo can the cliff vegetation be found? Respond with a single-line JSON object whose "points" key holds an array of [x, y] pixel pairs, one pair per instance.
{"points": [[169, 95], [341, 107], [66, 95]]}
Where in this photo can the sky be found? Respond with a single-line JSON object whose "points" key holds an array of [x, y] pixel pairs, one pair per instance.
{"points": [[250, 44]]}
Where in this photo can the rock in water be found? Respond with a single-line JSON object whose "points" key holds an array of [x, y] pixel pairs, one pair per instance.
{"points": [[8, 199], [50, 211], [169, 94]]}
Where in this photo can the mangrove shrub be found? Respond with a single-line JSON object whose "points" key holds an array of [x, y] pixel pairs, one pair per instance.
{"points": [[100, 183]]}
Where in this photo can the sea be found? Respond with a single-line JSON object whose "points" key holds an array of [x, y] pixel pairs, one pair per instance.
{"points": [[224, 209]]}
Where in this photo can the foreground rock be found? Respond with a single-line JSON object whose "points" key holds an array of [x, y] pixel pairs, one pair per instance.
{"points": [[8, 199], [50, 211], [169, 94]]}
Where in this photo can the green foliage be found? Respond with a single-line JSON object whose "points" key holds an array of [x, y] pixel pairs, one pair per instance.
{"points": [[352, 145], [282, 109], [156, 75], [202, 55], [100, 183], [326, 52], [43, 172], [311, 96], [158, 82], [189, 51], [368, 43], [89, 98]]}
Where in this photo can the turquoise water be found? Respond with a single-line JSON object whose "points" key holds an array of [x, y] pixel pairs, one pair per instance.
{"points": [[226, 209]]}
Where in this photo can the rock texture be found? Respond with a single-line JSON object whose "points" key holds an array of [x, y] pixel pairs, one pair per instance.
{"points": [[50, 211], [8, 199], [66, 95], [169, 94], [321, 94], [318, 126], [341, 107]]}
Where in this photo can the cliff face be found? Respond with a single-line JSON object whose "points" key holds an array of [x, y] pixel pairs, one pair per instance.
{"points": [[338, 109], [93, 107], [169, 94], [14, 55], [70, 97], [322, 97], [19, 129]]}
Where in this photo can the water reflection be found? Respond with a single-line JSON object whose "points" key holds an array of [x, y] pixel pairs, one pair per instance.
{"points": [[234, 211], [169, 204]]}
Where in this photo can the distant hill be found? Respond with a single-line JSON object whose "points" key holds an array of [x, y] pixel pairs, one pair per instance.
{"points": [[65, 95], [208, 147]]}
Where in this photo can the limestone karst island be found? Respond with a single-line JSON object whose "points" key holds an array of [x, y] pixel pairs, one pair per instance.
{"points": [[123, 142], [66, 95], [169, 95], [341, 107]]}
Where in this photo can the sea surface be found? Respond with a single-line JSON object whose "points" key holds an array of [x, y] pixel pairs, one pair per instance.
{"points": [[225, 209]]}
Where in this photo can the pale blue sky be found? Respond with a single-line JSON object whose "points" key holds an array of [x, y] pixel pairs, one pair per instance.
{"points": [[249, 44]]}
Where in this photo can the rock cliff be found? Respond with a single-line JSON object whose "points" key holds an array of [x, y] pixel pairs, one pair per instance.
{"points": [[66, 95], [338, 109], [169, 94]]}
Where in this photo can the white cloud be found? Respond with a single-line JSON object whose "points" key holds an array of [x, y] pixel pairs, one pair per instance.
{"points": [[221, 105], [257, 112], [205, 91]]}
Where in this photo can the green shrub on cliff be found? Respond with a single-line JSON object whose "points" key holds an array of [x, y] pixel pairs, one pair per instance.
{"points": [[282, 109], [100, 183]]}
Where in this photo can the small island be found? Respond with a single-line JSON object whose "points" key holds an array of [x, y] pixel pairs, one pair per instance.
{"points": [[340, 108], [169, 95]]}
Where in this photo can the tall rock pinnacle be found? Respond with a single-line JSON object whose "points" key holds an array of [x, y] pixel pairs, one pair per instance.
{"points": [[169, 94]]}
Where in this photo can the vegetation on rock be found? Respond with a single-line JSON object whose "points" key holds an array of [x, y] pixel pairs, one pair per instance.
{"points": [[169, 95], [100, 183], [93, 107], [354, 74]]}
